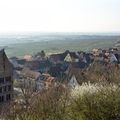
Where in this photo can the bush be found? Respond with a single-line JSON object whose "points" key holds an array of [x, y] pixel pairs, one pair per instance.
{"points": [[87, 102], [49, 104], [100, 73], [104, 104], [98, 99]]}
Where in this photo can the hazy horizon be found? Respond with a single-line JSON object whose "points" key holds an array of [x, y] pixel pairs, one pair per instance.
{"points": [[55, 33]]}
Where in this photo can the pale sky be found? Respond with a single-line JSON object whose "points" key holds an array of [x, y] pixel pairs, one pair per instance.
{"points": [[59, 15]]}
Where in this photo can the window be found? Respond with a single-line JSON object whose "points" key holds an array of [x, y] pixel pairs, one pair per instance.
{"points": [[0, 89], [8, 79], [8, 97], [9, 88], [1, 80], [5, 88], [1, 99]]}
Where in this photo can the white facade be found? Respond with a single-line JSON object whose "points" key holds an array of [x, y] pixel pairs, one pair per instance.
{"points": [[68, 58], [73, 82]]}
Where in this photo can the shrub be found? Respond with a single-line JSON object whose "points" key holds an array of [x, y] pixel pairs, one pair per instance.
{"points": [[104, 104], [49, 104]]}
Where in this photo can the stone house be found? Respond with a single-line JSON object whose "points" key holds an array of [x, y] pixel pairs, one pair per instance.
{"points": [[35, 80], [6, 78], [31, 79]]}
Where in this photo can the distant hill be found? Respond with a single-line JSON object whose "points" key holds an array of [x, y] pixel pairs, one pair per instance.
{"points": [[54, 43]]}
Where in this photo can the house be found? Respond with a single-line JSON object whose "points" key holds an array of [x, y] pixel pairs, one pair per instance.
{"points": [[28, 57], [14, 63], [40, 66], [68, 58], [75, 73], [35, 80], [46, 81], [21, 62], [113, 49], [73, 82], [18, 60], [40, 56], [6, 78], [72, 57], [31, 79], [50, 82], [113, 58], [55, 71], [75, 56], [17, 63], [44, 66], [96, 51], [57, 58], [32, 65], [78, 65]]}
